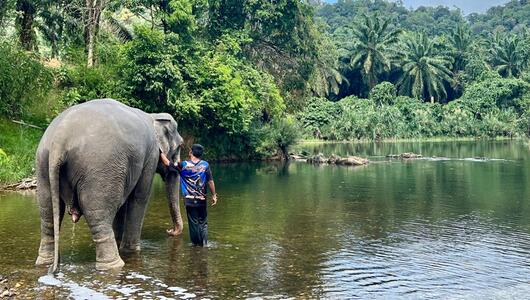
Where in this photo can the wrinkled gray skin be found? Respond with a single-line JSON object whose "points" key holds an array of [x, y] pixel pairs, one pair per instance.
{"points": [[101, 157]]}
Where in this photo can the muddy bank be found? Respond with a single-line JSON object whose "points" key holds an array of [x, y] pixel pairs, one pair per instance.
{"points": [[25, 184], [10, 289]]}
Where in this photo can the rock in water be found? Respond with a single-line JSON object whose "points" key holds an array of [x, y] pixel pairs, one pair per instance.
{"points": [[317, 159], [410, 155], [334, 159], [353, 161], [406, 155]]}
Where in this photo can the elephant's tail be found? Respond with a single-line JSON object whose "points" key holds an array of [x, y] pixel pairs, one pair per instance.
{"points": [[55, 162]]}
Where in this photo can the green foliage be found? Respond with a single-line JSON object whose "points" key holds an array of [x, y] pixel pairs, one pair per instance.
{"points": [[318, 114], [512, 16], [374, 42], [493, 91], [279, 135], [17, 154], [383, 93], [509, 54], [23, 80], [425, 70], [152, 72]]}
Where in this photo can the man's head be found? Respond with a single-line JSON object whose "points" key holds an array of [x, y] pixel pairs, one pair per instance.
{"points": [[196, 150]]}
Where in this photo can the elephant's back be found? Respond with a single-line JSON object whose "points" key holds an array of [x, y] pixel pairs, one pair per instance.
{"points": [[102, 128]]}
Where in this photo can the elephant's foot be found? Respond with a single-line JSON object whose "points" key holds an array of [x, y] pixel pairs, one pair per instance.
{"points": [[45, 252], [44, 260], [114, 264], [129, 247]]}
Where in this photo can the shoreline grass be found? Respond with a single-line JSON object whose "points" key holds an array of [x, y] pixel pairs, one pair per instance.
{"points": [[18, 144], [426, 139]]}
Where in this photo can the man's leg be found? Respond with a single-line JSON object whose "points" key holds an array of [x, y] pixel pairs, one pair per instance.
{"points": [[198, 226], [203, 225]]}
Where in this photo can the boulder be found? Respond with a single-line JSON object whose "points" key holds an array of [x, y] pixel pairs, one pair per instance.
{"points": [[333, 159], [317, 159], [406, 155], [353, 161]]}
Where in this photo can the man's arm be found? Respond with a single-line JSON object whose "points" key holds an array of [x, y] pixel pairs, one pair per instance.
{"points": [[211, 186]]}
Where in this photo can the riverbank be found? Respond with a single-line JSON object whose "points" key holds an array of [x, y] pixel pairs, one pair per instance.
{"points": [[426, 139], [18, 144]]}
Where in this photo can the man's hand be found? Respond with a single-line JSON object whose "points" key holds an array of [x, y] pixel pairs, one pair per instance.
{"points": [[164, 159], [214, 199]]}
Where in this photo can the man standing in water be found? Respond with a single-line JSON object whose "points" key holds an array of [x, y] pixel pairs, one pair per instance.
{"points": [[195, 174]]}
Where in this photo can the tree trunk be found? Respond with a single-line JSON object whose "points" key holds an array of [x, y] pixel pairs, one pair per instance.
{"points": [[93, 16], [25, 20]]}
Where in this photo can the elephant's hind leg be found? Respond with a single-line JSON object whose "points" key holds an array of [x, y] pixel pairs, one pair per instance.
{"points": [[99, 209], [46, 215]]}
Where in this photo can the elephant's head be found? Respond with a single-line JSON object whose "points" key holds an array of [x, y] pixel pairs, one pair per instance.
{"points": [[170, 143], [168, 137]]}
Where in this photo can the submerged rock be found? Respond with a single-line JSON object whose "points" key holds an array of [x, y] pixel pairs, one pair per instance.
{"points": [[317, 159], [353, 161], [333, 159], [337, 160], [406, 155]]}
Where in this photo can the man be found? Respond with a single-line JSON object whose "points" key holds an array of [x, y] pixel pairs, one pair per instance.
{"points": [[195, 177]]}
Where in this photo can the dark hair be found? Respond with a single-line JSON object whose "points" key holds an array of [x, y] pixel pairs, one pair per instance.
{"points": [[197, 150]]}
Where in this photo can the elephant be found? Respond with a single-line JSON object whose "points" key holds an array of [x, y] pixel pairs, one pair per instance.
{"points": [[99, 158]]}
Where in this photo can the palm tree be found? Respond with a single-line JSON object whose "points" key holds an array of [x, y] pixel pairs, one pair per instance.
{"points": [[326, 78], [508, 54], [425, 71], [460, 42], [373, 47]]}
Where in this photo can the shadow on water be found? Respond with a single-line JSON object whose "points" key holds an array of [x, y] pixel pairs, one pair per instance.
{"points": [[434, 228]]}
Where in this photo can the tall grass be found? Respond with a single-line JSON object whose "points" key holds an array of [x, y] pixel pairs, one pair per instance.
{"points": [[17, 151]]}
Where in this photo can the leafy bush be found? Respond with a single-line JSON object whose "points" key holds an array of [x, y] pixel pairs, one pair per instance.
{"points": [[457, 120], [279, 135], [23, 80], [383, 93], [318, 114], [493, 91]]}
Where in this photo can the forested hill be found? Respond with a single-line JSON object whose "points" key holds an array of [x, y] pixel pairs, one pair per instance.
{"points": [[514, 16]]}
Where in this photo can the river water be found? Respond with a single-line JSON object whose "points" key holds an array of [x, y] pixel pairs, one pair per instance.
{"points": [[454, 225]]}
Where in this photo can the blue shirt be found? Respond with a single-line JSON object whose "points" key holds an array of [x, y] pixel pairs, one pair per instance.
{"points": [[193, 180]]}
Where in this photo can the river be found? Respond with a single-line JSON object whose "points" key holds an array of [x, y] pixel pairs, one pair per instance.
{"points": [[453, 225]]}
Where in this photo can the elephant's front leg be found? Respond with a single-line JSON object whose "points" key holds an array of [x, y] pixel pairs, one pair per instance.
{"points": [[135, 212]]}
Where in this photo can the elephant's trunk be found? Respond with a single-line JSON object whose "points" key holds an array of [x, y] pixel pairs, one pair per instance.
{"points": [[173, 197]]}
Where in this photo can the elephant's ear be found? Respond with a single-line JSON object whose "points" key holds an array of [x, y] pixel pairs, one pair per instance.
{"points": [[165, 130], [162, 117]]}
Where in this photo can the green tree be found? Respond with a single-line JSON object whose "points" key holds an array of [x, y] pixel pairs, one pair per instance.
{"points": [[508, 54], [425, 71], [461, 43], [374, 44], [327, 78]]}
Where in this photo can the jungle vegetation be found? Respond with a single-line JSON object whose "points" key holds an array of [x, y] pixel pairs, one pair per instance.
{"points": [[247, 78]]}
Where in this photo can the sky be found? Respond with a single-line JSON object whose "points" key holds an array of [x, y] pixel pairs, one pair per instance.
{"points": [[467, 6]]}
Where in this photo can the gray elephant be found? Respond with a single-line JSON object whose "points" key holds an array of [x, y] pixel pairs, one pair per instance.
{"points": [[99, 159]]}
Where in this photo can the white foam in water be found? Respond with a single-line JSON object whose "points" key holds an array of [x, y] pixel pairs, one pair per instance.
{"points": [[49, 280], [76, 291], [137, 276], [126, 290], [177, 290]]}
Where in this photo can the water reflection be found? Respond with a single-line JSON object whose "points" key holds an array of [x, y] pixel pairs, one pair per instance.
{"points": [[442, 228]]}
